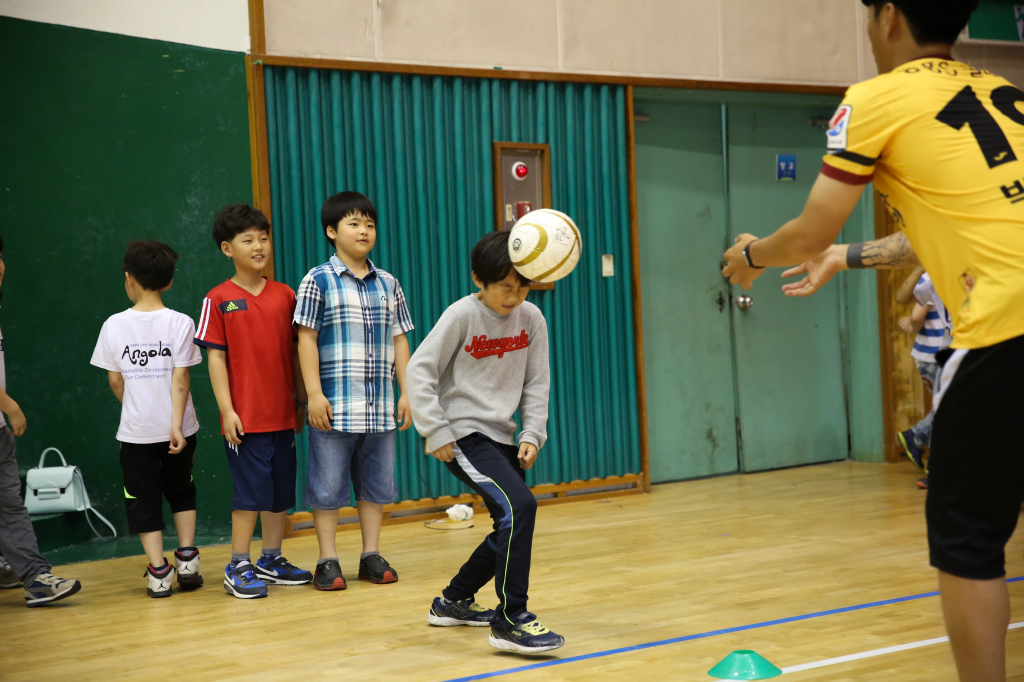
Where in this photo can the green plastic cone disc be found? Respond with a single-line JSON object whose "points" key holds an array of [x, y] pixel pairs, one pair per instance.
{"points": [[744, 665]]}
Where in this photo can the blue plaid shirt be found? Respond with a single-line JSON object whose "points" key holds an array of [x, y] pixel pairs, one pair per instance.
{"points": [[357, 320]]}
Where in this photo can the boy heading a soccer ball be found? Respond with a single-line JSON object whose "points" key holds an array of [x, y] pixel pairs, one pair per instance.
{"points": [[485, 358]]}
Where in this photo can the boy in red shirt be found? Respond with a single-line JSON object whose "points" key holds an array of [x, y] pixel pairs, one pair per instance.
{"points": [[246, 327]]}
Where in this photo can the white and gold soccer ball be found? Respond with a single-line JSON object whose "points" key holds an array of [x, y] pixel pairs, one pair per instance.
{"points": [[544, 245]]}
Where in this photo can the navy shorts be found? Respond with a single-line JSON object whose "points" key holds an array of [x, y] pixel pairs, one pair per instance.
{"points": [[263, 470]]}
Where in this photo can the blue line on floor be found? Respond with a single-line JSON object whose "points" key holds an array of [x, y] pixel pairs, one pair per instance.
{"points": [[701, 635]]}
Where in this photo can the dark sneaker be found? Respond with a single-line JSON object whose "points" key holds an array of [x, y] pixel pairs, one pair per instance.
{"points": [[376, 569], [46, 588], [8, 578], [159, 581], [278, 571], [186, 564], [922, 483], [462, 612], [240, 582], [328, 576], [527, 637], [916, 454]]}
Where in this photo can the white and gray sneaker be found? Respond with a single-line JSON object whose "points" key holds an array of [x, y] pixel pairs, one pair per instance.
{"points": [[46, 588], [159, 584], [186, 563], [8, 578]]}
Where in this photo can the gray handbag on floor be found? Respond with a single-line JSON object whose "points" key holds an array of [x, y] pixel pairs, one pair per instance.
{"points": [[60, 489]]}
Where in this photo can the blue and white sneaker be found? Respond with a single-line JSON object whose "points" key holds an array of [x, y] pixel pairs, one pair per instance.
{"points": [[528, 636], [240, 582], [278, 571], [46, 588]]}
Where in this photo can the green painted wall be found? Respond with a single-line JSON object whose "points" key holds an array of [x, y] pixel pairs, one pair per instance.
{"points": [[104, 139], [864, 365]]}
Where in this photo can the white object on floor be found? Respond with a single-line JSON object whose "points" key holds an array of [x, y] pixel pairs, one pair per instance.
{"points": [[460, 512]]}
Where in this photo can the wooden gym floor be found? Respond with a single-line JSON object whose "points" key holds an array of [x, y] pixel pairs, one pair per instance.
{"points": [[690, 558]]}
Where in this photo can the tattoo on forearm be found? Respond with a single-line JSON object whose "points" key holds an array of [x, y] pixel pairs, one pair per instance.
{"points": [[889, 253]]}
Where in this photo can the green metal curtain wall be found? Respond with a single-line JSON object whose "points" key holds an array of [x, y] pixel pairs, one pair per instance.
{"points": [[420, 148]]}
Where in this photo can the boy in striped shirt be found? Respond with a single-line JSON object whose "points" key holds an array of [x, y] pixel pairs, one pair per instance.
{"points": [[931, 322]]}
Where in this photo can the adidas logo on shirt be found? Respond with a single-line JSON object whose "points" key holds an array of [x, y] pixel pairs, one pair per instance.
{"points": [[233, 306]]}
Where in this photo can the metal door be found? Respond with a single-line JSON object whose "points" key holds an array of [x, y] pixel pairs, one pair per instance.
{"points": [[789, 365], [681, 199]]}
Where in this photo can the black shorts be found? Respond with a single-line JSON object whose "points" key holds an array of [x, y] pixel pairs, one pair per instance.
{"points": [[976, 469], [151, 473]]}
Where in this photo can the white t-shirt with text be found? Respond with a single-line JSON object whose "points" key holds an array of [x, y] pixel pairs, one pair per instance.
{"points": [[145, 347]]}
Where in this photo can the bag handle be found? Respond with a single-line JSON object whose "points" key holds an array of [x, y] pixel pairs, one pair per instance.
{"points": [[79, 480], [60, 454], [104, 520]]}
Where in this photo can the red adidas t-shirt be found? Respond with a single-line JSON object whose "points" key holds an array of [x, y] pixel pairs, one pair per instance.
{"points": [[257, 333]]}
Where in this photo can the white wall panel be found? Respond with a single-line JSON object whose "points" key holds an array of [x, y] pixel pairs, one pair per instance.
{"points": [[675, 38], [314, 28], [790, 40], [485, 33], [220, 24]]}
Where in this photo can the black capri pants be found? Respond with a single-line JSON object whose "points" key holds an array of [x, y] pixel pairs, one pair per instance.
{"points": [[151, 473]]}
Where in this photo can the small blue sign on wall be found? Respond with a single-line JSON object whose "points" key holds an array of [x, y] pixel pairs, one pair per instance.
{"points": [[785, 167]]}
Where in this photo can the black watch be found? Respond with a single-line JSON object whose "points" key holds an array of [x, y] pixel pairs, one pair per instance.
{"points": [[746, 256]]}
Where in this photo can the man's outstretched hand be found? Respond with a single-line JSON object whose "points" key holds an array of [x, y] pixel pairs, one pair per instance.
{"points": [[736, 269], [819, 270]]}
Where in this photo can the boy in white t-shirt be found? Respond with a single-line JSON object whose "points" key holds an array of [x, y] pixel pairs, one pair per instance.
{"points": [[147, 351]]}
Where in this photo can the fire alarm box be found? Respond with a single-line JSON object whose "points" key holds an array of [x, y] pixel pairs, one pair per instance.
{"points": [[522, 183]]}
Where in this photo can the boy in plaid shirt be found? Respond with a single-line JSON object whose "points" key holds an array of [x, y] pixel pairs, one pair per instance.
{"points": [[352, 320]]}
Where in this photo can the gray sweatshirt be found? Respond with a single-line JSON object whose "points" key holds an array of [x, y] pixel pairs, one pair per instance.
{"points": [[475, 369]]}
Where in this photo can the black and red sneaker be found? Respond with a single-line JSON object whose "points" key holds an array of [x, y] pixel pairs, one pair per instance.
{"points": [[328, 576], [376, 569]]}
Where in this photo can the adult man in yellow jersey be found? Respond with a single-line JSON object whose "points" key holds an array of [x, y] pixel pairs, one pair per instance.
{"points": [[944, 144]]}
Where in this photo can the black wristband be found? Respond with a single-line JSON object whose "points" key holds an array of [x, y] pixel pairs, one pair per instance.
{"points": [[855, 256], [746, 256], [298, 404]]}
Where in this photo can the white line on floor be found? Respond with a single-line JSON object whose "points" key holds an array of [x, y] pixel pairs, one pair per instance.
{"points": [[875, 652]]}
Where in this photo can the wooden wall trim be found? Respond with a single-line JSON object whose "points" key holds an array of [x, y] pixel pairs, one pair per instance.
{"points": [[638, 316], [258, 149], [257, 27], [888, 369], [557, 76]]}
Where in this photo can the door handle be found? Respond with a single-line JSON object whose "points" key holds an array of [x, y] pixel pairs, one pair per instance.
{"points": [[744, 302]]}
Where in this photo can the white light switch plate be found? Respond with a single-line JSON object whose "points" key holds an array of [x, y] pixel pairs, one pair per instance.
{"points": [[608, 265]]}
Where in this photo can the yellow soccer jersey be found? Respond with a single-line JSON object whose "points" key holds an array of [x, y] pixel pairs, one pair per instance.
{"points": [[944, 144]]}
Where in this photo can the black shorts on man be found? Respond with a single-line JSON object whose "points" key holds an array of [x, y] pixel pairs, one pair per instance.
{"points": [[976, 466]]}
